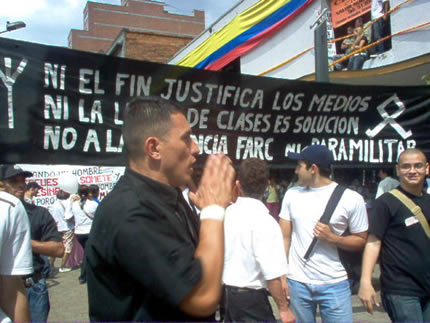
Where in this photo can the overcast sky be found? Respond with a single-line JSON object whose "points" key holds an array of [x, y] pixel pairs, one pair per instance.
{"points": [[49, 21]]}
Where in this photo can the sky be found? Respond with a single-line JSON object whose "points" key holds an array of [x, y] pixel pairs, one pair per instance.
{"points": [[50, 21]]}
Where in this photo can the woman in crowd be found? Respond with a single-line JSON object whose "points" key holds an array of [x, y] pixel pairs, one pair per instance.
{"points": [[94, 192], [83, 209], [273, 198], [61, 212], [61, 207]]}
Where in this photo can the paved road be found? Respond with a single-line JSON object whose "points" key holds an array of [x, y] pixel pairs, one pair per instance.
{"points": [[69, 301]]}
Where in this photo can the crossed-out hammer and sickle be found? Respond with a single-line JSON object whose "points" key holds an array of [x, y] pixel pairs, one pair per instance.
{"points": [[389, 119]]}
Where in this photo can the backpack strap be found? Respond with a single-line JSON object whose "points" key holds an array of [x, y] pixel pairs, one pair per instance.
{"points": [[415, 209], [83, 211], [328, 212]]}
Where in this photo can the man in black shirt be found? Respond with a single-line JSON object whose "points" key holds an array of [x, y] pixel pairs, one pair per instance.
{"points": [[398, 238], [149, 258], [45, 240]]}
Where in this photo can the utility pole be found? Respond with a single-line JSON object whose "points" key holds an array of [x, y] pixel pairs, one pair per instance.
{"points": [[320, 41]]}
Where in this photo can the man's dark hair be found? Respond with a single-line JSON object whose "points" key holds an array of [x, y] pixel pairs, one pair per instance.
{"points": [[253, 177], [325, 171], [388, 171], [33, 185], [145, 117], [83, 192], [61, 195], [94, 189]]}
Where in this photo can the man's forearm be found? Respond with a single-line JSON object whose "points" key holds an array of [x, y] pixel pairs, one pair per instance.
{"points": [[13, 298], [352, 242], [212, 197], [370, 257], [287, 242], [48, 248], [277, 292], [204, 297], [286, 228]]}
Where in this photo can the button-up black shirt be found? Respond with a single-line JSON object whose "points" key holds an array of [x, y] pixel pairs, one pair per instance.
{"points": [[140, 253]]}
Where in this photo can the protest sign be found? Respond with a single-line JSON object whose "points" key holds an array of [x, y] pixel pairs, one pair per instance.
{"points": [[344, 11], [47, 177], [61, 106]]}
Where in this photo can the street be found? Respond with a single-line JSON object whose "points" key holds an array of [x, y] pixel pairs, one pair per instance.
{"points": [[69, 301]]}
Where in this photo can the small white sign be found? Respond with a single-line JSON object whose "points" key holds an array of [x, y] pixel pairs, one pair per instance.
{"points": [[411, 220]]}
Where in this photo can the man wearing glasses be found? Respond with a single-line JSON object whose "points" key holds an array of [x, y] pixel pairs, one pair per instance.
{"points": [[398, 237]]}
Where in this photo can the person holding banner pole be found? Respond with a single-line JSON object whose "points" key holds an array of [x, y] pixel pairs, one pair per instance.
{"points": [[149, 257]]}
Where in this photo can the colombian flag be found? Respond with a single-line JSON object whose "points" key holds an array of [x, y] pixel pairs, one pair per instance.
{"points": [[246, 31]]}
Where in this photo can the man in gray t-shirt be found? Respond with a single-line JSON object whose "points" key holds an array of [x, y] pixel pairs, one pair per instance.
{"points": [[387, 182]]}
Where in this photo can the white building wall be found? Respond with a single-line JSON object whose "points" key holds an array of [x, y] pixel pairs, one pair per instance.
{"points": [[287, 43], [296, 37]]}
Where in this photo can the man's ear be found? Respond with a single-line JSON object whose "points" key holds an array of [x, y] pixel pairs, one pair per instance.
{"points": [[152, 147], [314, 168], [236, 192]]}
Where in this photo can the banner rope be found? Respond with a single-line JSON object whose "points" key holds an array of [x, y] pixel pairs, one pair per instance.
{"points": [[364, 48]]}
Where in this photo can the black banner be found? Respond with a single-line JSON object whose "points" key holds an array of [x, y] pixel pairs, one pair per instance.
{"points": [[60, 106]]}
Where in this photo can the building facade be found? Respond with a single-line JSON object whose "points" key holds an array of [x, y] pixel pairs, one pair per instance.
{"points": [[147, 46], [149, 28], [274, 38]]}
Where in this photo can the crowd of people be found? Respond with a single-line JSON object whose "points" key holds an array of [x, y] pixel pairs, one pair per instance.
{"points": [[49, 234], [359, 35], [153, 253]]}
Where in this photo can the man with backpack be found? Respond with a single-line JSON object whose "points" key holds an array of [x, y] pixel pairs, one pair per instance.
{"points": [[399, 235], [316, 275]]}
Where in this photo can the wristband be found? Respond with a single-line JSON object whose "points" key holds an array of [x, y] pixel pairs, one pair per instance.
{"points": [[214, 212]]}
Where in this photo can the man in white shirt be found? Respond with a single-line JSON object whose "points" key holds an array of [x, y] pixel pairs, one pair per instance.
{"points": [[387, 182], [321, 279], [254, 252], [15, 257], [45, 240], [379, 28]]}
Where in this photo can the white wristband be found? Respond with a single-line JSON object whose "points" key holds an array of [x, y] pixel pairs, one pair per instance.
{"points": [[214, 212]]}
